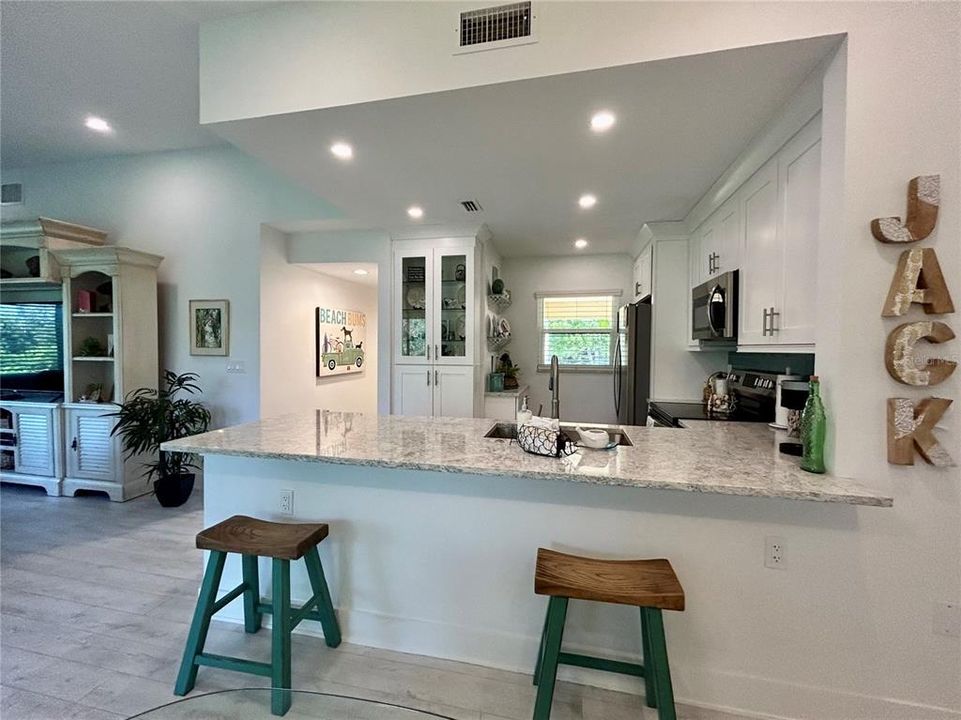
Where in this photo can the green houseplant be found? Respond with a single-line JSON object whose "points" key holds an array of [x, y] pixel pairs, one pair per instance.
{"points": [[148, 417]]}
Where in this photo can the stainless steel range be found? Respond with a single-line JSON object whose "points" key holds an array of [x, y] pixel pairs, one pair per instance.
{"points": [[755, 393]]}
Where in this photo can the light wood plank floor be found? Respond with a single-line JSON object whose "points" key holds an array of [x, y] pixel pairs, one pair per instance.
{"points": [[96, 600]]}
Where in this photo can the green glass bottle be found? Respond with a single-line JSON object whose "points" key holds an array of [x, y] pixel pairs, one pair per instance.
{"points": [[813, 429]]}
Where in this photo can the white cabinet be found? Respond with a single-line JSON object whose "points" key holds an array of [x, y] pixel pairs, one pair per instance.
{"points": [[30, 445], [778, 276], [436, 304], [453, 391], [90, 447], [716, 243], [642, 273], [760, 275], [412, 390], [799, 175]]}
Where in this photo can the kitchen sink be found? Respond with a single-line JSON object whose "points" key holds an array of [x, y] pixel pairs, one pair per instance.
{"points": [[508, 431]]}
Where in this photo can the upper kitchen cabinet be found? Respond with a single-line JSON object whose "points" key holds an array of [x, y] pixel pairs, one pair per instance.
{"points": [[437, 304], [435, 307], [715, 245], [643, 267], [778, 274]]}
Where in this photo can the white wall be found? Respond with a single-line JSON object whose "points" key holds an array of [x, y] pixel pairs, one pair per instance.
{"points": [[850, 635], [585, 396], [288, 295], [365, 246], [202, 210]]}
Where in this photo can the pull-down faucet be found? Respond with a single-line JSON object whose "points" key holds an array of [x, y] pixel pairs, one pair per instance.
{"points": [[554, 386]]}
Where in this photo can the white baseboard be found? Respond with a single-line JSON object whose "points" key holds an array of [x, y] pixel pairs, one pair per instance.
{"points": [[702, 687]]}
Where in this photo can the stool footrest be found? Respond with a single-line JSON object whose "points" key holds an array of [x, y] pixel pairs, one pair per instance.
{"points": [[231, 663], [229, 598], [596, 663]]}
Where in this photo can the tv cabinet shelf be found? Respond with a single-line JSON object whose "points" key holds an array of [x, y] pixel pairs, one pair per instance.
{"points": [[92, 314], [92, 358]]}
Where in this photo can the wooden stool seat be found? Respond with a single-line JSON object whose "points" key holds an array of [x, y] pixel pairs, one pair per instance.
{"points": [[643, 583], [253, 539], [251, 536], [651, 585]]}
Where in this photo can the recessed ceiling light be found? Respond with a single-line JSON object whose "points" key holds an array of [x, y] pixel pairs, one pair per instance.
{"points": [[580, 243], [602, 121], [342, 150], [97, 124], [360, 271], [587, 201], [415, 211]]}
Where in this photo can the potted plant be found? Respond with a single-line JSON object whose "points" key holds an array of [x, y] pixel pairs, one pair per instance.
{"points": [[149, 417], [510, 371]]}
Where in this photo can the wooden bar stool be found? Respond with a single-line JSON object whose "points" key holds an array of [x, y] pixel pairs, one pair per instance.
{"points": [[649, 584], [253, 538]]}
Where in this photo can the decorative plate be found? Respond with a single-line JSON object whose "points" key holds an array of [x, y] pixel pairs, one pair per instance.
{"points": [[461, 328], [462, 296], [504, 327], [416, 297]]}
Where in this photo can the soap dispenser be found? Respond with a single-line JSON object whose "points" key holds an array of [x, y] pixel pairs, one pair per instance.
{"points": [[524, 415]]}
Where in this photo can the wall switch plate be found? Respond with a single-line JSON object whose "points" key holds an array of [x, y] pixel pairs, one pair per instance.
{"points": [[287, 502], [775, 552], [236, 367], [947, 619]]}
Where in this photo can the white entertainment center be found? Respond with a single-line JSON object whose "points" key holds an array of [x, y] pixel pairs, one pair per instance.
{"points": [[56, 432]]}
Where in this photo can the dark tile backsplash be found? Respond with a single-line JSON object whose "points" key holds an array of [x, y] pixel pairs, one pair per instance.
{"points": [[800, 363]]}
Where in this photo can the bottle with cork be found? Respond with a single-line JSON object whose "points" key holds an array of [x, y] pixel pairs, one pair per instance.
{"points": [[813, 429]]}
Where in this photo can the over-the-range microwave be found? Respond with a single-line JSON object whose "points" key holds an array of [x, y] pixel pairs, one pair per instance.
{"points": [[714, 309]]}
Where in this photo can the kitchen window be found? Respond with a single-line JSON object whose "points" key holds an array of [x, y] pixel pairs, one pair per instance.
{"points": [[577, 327]]}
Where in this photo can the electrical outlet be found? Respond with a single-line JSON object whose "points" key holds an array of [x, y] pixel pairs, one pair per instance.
{"points": [[287, 502], [236, 367], [947, 619], [775, 552]]}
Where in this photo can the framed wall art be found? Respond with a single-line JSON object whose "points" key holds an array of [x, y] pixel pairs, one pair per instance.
{"points": [[209, 327]]}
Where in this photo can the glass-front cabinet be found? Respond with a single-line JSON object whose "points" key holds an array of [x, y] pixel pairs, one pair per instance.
{"points": [[434, 305]]}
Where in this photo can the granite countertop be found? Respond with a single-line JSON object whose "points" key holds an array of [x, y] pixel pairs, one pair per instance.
{"points": [[513, 392], [728, 458]]}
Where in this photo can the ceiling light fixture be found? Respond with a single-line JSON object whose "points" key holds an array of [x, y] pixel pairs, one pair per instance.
{"points": [[580, 243], [416, 212], [342, 150], [97, 124], [587, 201], [360, 271], [602, 121]]}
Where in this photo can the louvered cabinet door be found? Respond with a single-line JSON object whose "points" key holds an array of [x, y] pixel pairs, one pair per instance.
{"points": [[90, 449], [35, 448]]}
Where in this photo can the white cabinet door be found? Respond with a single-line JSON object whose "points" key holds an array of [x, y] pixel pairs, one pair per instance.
{"points": [[697, 268], [728, 243], [453, 317], [454, 391], [35, 449], [643, 267], [710, 245], [412, 390], [413, 307], [799, 178], [91, 451], [760, 275]]}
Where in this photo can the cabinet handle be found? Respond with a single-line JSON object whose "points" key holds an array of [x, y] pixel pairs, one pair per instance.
{"points": [[637, 288], [73, 445], [428, 352], [436, 380], [774, 314], [764, 331], [436, 353], [428, 378]]}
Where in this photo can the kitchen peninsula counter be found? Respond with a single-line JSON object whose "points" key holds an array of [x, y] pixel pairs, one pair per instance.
{"points": [[727, 458]]}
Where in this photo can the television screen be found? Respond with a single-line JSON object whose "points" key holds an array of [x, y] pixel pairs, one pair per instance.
{"points": [[31, 346]]}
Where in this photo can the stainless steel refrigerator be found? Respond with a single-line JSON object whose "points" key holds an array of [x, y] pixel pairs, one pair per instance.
{"points": [[632, 363]]}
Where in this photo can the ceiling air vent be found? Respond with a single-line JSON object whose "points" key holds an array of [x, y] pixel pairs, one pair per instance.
{"points": [[471, 206], [11, 194], [495, 27]]}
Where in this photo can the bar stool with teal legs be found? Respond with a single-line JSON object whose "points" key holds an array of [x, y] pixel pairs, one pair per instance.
{"points": [[651, 585], [252, 538]]}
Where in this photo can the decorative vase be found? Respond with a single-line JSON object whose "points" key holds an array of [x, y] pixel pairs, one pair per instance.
{"points": [[174, 490], [460, 273]]}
